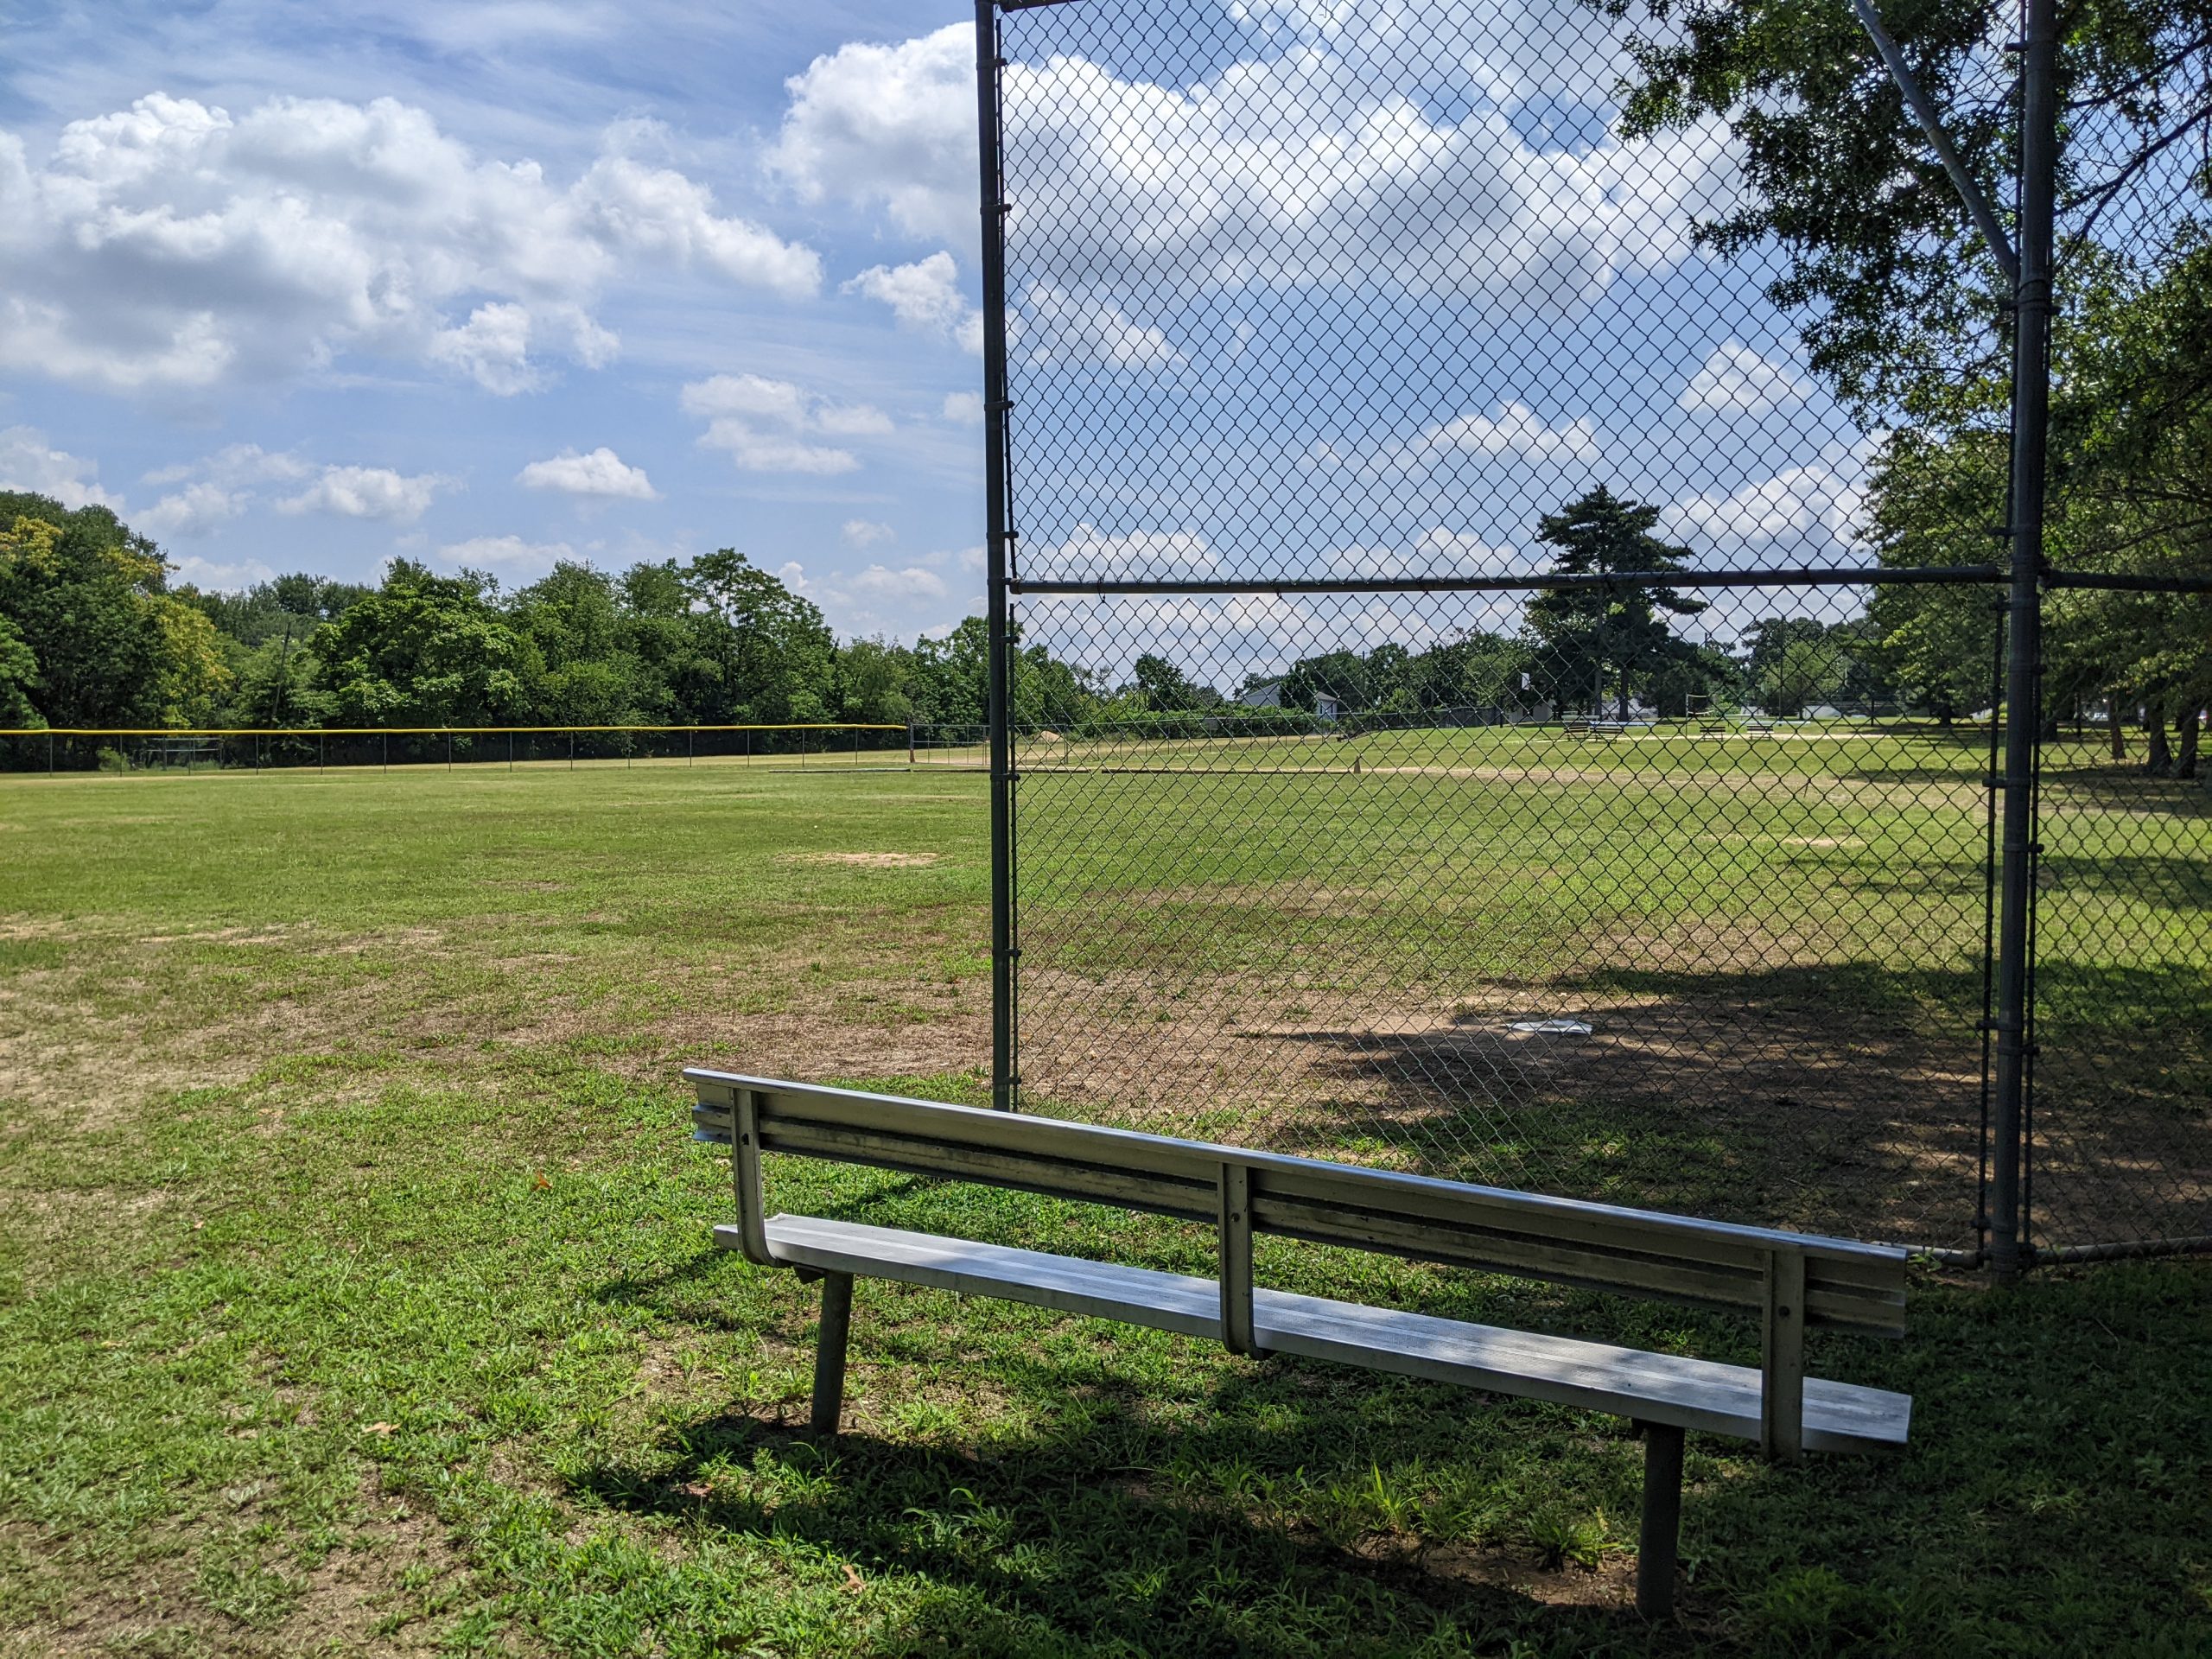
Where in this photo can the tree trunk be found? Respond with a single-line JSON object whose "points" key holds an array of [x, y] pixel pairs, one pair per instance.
{"points": [[2157, 759], [2186, 729], [2118, 726]]}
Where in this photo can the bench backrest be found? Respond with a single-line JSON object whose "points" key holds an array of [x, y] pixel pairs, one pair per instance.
{"points": [[1790, 1281]]}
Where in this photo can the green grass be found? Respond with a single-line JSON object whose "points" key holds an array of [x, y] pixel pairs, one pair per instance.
{"points": [[355, 1296]]}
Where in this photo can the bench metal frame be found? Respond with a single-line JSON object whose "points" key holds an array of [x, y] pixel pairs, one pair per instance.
{"points": [[1789, 1282]]}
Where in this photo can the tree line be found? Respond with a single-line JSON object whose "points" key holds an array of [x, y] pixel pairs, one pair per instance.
{"points": [[91, 635]]}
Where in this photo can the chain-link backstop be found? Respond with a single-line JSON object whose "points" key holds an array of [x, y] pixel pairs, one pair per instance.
{"points": [[1511, 645]]}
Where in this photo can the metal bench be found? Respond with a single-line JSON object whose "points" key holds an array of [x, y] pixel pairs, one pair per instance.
{"points": [[1789, 1282]]}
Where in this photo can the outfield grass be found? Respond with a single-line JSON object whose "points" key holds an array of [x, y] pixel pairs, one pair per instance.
{"points": [[355, 1296]]}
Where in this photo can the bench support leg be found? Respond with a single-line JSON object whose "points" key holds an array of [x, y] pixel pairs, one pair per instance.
{"points": [[1662, 1520], [830, 1351]]}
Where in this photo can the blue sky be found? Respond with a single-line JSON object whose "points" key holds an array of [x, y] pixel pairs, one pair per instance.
{"points": [[304, 287], [491, 284]]}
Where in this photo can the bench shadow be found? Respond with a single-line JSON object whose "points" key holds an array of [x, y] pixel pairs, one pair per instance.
{"points": [[1097, 1533]]}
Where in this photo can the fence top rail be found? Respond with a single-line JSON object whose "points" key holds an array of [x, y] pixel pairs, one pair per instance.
{"points": [[429, 731]]}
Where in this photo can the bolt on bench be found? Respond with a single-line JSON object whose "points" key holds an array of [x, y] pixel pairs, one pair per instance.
{"points": [[1789, 1282]]}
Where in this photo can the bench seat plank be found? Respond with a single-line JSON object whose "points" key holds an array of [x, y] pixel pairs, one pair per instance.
{"points": [[1666, 1388]]}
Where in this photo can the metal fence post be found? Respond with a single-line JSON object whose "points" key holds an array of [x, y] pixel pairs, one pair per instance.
{"points": [[998, 538], [2010, 1251]]}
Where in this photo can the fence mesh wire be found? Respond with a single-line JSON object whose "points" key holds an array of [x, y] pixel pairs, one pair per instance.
{"points": [[1353, 355]]}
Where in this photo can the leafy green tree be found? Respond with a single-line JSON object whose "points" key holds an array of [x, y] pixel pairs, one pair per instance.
{"points": [[1609, 635], [1167, 691], [1475, 671], [424, 649], [86, 598], [672, 644], [873, 679], [773, 653], [588, 675], [18, 678], [1903, 305]]}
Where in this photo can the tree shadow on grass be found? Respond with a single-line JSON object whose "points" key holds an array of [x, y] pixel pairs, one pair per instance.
{"points": [[1842, 1095]]}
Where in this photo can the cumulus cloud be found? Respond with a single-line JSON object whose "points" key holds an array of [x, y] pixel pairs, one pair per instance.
{"points": [[210, 576], [1808, 514], [493, 349], [29, 462], [601, 472], [964, 408], [879, 585], [865, 532], [925, 296], [1735, 379], [891, 128], [1058, 325], [174, 245], [1436, 552], [1319, 156], [767, 426], [509, 554], [1160, 554], [368, 492], [1512, 431], [234, 465], [193, 510]]}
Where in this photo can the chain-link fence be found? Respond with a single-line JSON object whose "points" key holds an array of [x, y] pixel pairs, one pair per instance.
{"points": [[800, 748], [1502, 563]]}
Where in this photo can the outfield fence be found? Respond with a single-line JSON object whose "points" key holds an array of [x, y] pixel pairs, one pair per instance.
{"points": [[800, 748], [1507, 633]]}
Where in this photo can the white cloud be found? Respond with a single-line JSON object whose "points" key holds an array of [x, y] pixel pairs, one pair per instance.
{"points": [[368, 492], [766, 425], [29, 462], [1513, 432], [493, 349], [964, 408], [1436, 552], [234, 465], [925, 296], [888, 127], [518, 558], [601, 472], [1055, 325], [1803, 515], [1735, 379], [1317, 159], [750, 395], [211, 577], [881, 586], [174, 245], [865, 532], [658, 212], [850, 420], [1088, 551], [193, 510]]}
